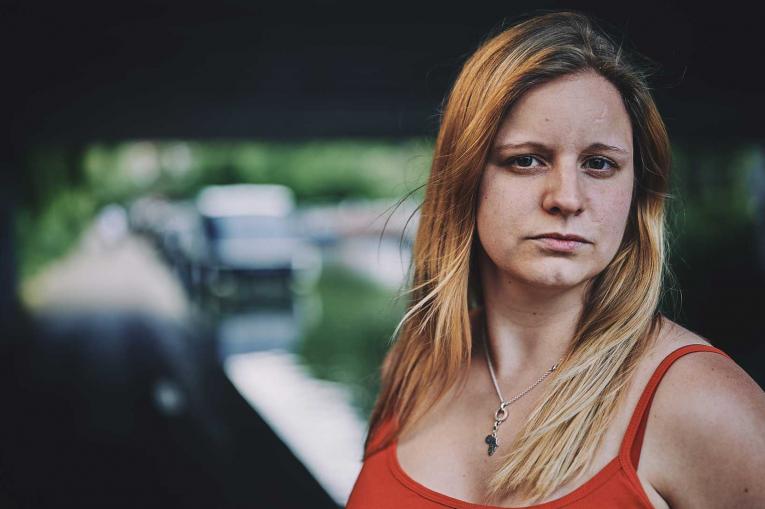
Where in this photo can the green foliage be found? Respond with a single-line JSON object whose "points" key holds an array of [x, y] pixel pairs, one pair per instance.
{"points": [[712, 205], [50, 233], [712, 192], [70, 184], [711, 218], [314, 170], [349, 342]]}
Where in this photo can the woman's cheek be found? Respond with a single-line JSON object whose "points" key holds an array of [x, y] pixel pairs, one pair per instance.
{"points": [[612, 219]]}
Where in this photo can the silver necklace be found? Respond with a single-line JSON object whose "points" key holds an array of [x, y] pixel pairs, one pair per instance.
{"points": [[501, 414]]}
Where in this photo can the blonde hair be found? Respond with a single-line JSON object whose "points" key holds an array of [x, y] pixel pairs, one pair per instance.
{"points": [[433, 341]]}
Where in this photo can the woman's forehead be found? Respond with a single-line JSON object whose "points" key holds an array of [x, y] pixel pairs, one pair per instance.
{"points": [[580, 109]]}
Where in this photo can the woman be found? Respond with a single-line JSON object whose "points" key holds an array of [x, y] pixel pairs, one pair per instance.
{"points": [[532, 350]]}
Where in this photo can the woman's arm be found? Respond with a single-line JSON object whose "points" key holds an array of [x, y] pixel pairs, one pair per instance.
{"points": [[709, 417]]}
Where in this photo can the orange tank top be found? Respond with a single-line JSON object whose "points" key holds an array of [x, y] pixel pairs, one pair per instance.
{"points": [[383, 484]]}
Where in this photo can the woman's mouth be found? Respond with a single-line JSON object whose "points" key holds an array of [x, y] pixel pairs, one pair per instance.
{"points": [[559, 245]]}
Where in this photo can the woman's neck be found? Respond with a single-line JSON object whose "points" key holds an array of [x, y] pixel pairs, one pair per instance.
{"points": [[528, 329]]}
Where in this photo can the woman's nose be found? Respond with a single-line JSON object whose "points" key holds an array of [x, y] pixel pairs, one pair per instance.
{"points": [[562, 193]]}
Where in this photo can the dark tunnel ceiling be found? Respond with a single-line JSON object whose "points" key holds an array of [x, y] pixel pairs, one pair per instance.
{"points": [[327, 69]]}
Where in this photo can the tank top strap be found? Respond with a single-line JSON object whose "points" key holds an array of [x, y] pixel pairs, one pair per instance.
{"points": [[633, 438]]}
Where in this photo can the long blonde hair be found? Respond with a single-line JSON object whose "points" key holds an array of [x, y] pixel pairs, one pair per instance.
{"points": [[433, 342]]}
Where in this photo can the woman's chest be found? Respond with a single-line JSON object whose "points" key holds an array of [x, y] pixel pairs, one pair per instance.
{"points": [[448, 453], [457, 464]]}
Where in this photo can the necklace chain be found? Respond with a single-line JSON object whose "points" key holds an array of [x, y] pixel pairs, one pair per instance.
{"points": [[517, 396], [501, 413]]}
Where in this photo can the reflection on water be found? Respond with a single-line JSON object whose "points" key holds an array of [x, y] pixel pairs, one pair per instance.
{"points": [[308, 363], [312, 376], [255, 331]]}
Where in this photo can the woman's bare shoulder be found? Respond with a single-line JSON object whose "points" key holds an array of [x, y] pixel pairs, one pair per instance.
{"points": [[708, 415], [673, 335]]}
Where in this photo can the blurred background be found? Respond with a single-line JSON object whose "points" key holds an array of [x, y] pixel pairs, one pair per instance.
{"points": [[206, 216]]}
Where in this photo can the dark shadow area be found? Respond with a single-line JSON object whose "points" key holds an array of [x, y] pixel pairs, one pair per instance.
{"points": [[722, 298], [129, 411]]}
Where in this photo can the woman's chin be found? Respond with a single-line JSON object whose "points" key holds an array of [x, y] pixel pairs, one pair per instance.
{"points": [[553, 280], [540, 275]]}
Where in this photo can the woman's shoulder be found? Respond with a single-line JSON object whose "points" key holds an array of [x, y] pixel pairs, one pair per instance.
{"points": [[698, 380], [708, 415], [703, 369]]}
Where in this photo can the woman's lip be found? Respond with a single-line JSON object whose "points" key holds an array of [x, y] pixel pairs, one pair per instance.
{"points": [[564, 246]]}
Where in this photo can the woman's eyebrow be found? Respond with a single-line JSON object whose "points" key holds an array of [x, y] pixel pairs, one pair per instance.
{"points": [[611, 148], [533, 145], [541, 147]]}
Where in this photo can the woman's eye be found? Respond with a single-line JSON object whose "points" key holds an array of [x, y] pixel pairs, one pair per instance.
{"points": [[600, 163], [523, 161]]}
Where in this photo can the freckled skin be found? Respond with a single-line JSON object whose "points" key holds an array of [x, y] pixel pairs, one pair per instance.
{"points": [[561, 191]]}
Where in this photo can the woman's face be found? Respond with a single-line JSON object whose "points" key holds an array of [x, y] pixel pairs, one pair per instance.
{"points": [[561, 163]]}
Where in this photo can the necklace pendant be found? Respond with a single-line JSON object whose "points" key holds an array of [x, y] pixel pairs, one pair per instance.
{"points": [[493, 443]]}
